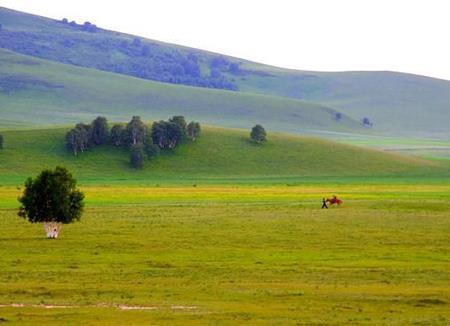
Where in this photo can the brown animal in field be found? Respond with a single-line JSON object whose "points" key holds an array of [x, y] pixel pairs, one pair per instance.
{"points": [[334, 201]]}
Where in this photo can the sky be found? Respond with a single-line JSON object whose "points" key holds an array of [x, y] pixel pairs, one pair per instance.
{"points": [[325, 35]]}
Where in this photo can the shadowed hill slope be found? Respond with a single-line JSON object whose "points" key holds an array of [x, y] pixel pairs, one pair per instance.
{"points": [[40, 92], [396, 103]]}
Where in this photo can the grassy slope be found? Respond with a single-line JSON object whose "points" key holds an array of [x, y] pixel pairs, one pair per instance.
{"points": [[41, 92], [397, 103], [219, 154]]}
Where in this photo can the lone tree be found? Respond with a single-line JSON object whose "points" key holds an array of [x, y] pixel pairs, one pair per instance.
{"points": [[53, 199], [258, 134], [366, 122], [137, 156], [193, 130], [1, 141]]}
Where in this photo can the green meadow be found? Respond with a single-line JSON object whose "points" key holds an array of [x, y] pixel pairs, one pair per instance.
{"points": [[233, 254], [222, 230], [219, 156], [225, 231], [36, 92]]}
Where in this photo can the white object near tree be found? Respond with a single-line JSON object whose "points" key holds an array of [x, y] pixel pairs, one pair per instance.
{"points": [[52, 229]]}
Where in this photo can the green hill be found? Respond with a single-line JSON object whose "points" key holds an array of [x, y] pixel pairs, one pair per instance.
{"points": [[397, 103], [40, 92], [219, 154]]}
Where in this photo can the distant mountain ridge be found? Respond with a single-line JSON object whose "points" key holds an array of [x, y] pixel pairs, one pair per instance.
{"points": [[395, 103]]}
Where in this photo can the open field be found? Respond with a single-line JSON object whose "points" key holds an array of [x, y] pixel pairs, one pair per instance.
{"points": [[260, 254]]}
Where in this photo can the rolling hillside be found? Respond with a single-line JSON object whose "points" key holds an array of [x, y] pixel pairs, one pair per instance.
{"points": [[219, 154], [397, 103], [39, 92]]}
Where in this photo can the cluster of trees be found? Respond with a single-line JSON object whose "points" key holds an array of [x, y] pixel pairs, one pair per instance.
{"points": [[85, 136], [149, 62], [87, 26], [258, 134], [220, 64], [138, 58], [135, 135]]}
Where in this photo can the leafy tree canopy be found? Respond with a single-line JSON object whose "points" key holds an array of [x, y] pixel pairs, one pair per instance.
{"points": [[118, 136], [51, 197], [136, 131], [258, 134], [99, 131], [193, 130]]}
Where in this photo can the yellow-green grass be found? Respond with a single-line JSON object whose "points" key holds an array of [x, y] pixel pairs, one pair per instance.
{"points": [[218, 156], [217, 194], [234, 254]]}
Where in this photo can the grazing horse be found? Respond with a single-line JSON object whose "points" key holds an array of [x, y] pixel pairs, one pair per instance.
{"points": [[334, 200]]}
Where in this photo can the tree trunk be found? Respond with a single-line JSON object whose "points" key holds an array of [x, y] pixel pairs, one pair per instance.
{"points": [[52, 229]]}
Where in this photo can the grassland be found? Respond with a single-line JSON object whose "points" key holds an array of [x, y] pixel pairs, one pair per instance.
{"points": [[397, 103], [226, 231], [36, 92], [218, 156], [228, 254]]}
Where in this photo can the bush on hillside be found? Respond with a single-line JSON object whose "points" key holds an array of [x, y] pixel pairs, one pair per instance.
{"points": [[151, 150], [366, 122], [137, 156]]}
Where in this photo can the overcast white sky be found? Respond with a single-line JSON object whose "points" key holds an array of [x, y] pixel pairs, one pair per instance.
{"points": [[328, 35]]}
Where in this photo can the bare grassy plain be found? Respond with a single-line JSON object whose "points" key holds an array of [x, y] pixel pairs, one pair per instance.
{"points": [[260, 254]]}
